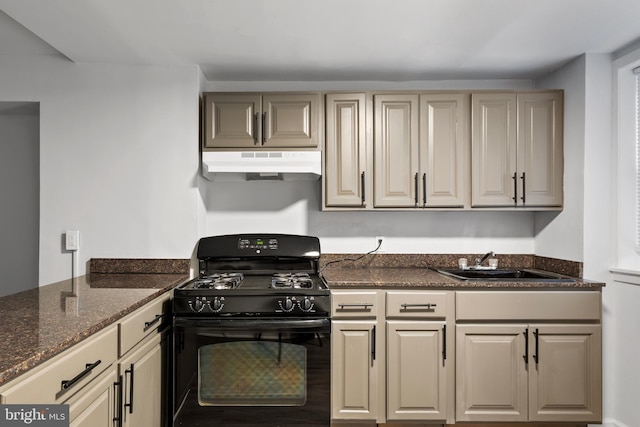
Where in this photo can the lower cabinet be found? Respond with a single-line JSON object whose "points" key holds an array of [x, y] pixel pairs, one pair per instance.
{"points": [[416, 371], [353, 373], [115, 378], [356, 356], [142, 384], [547, 370], [96, 405], [389, 360], [444, 357]]}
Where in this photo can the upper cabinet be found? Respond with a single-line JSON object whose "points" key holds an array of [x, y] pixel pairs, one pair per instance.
{"points": [[396, 150], [444, 149], [517, 155], [261, 121], [345, 153]]}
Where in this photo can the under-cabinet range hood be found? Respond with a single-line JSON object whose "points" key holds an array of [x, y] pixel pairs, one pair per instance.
{"points": [[261, 165]]}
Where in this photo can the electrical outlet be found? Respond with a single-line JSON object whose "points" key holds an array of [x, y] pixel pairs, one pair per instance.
{"points": [[72, 240]]}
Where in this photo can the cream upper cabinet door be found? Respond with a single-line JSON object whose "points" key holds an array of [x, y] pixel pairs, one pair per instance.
{"points": [[345, 150], [250, 121], [353, 380], [491, 374], [416, 374], [540, 148], [396, 150], [565, 373], [232, 121], [493, 147], [442, 150], [291, 120]]}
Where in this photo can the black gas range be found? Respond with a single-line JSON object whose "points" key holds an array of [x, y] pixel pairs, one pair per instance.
{"points": [[252, 335], [253, 276]]}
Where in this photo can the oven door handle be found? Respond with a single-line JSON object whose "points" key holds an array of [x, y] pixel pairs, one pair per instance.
{"points": [[257, 325]]}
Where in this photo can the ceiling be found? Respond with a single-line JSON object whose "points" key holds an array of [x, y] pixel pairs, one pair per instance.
{"points": [[324, 40]]}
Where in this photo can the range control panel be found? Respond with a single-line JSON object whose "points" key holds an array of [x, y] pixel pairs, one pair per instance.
{"points": [[258, 243]]}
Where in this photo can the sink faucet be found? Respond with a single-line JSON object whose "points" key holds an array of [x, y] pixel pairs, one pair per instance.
{"points": [[479, 261]]}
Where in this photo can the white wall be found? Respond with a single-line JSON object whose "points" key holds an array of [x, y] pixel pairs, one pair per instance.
{"points": [[561, 235], [119, 157], [19, 195]]}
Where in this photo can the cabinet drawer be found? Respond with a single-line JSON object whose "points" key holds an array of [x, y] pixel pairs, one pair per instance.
{"points": [[416, 304], [354, 304], [77, 366], [142, 322], [528, 305]]}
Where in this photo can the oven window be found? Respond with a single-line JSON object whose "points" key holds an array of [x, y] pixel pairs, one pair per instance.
{"points": [[252, 373]]}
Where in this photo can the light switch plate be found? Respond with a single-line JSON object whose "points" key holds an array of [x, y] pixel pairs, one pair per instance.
{"points": [[72, 240]]}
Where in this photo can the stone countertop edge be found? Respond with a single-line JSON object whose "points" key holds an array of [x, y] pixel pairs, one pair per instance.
{"points": [[425, 278], [104, 299]]}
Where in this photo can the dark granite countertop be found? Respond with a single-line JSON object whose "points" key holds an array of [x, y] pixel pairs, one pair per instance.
{"points": [[426, 278], [38, 324]]}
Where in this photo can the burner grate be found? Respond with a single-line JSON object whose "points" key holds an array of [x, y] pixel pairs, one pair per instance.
{"points": [[219, 281], [291, 280]]}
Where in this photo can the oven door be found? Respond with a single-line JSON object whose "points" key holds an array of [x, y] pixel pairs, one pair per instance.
{"points": [[244, 372]]}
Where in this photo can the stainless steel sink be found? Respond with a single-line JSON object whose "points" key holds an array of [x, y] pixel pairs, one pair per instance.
{"points": [[504, 275]]}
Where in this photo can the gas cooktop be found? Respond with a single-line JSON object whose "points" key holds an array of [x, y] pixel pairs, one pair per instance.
{"points": [[255, 275]]}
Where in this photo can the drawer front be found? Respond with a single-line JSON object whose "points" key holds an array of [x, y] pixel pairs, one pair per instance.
{"points": [[412, 304], [142, 322], [528, 305], [77, 366], [361, 304]]}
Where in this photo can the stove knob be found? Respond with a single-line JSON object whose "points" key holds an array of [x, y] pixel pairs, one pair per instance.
{"points": [[197, 306], [307, 304], [217, 304], [288, 304]]}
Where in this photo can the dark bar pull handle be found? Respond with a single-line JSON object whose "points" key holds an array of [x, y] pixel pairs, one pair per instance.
{"points": [[515, 188], [362, 181], [428, 306], [88, 368], [373, 344], [363, 305], [524, 195], [130, 404], [155, 320], [255, 129], [415, 198], [444, 342], [264, 128], [118, 401], [424, 189], [536, 355], [526, 346]]}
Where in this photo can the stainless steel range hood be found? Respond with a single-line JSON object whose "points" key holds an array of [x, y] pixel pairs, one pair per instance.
{"points": [[261, 165]]}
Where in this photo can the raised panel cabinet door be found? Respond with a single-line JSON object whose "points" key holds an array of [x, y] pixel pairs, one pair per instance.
{"points": [[143, 385], [442, 150], [95, 405], [493, 149], [232, 121], [540, 152], [353, 383], [345, 150], [491, 373], [395, 150], [565, 373], [416, 374], [290, 120]]}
